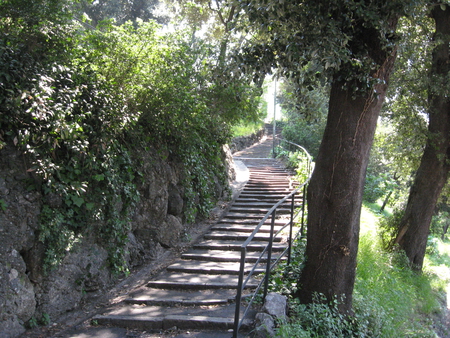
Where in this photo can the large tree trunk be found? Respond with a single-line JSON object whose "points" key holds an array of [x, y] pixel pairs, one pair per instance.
{"points": [[336, 188], [434, 166]]}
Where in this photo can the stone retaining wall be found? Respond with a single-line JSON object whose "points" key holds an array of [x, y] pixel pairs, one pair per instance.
{"points": [[27, 292], [239, 143]]}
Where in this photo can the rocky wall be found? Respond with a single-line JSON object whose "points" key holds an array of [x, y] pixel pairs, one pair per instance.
{"points": [[26, 292], [242, 142]]}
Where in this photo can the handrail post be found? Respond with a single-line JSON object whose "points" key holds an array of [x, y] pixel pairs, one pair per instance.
{"points": [[269, 254], [291, 226], [239, 292]]}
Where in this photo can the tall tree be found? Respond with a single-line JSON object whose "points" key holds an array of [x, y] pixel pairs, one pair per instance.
{"points": [[353, 43], [434, 166]]}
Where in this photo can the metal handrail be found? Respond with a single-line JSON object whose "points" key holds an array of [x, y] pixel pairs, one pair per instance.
{"points": [[268, 249]]}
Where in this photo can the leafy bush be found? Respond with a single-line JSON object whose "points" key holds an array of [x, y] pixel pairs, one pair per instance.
{"points": [[378, 185], [284, 278], [297, 160], [80, 115], [318, 319], [71, 126], [306, 133]]}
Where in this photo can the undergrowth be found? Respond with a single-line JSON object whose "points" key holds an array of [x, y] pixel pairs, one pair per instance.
{"points": [[389, 299], [246, 129]]}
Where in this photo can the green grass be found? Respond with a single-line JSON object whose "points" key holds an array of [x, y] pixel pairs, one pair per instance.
{"points": [[246, 129], [388, 296], [389, 299]]}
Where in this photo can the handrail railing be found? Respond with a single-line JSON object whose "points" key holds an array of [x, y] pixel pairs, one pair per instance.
{"points": [[268, 249]]}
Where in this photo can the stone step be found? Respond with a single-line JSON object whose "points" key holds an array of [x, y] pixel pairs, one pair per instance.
{"points": [[261, 204], [257, 199], [250, 222], [277, 185], [243, 228], [264, 230], [190, 281], [285, 189], [157, 318], [171, 297], [262, 196], [279, 175], [211, 267], [236, 246], [224, 256], [261, 178], [256, 210], [239, 236], [283, 192], [197, 292], [254, 216], [267, 201]]}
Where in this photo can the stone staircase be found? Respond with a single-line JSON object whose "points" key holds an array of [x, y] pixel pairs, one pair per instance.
{"points": [[197, 291]]}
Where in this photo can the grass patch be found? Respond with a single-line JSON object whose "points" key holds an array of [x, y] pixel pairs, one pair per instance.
{"points": [[246, 129], [389, 299]]}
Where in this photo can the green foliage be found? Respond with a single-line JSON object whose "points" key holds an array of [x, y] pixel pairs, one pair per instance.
{"points": [[43, 321], [119, 11], [390, 297], [389, 300], [3, 204], [388, 228], [29, 14], [298, 160], [305, 133], [401, 133], [32, 323], [378, 186], [318, 319], [283, 279], [336, 36], [305, 105], [391, 164], [439, 223], [437, 262], [69, 122], [80, 116], [180, 103], [246, 129]]}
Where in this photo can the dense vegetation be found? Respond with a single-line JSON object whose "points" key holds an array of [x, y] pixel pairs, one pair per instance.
{"points": [[387, 292], [390, 299], [84, 86], [81, 101]]}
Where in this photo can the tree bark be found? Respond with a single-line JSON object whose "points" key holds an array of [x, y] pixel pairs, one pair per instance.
{"points": [[336, 189], [434, 166]]}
